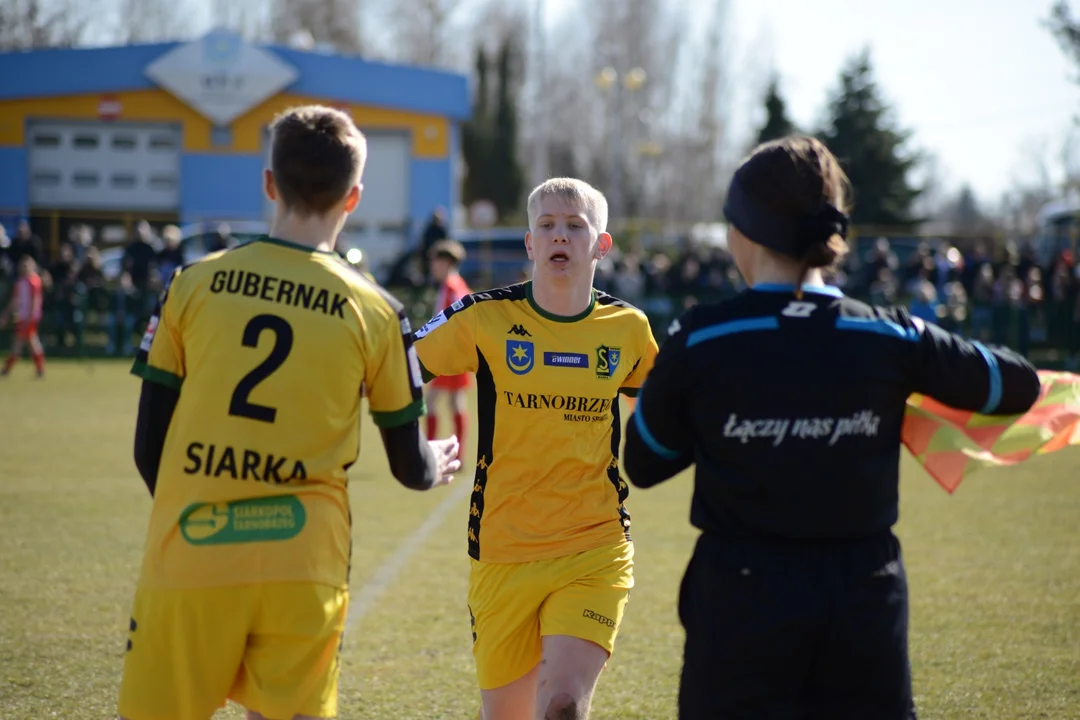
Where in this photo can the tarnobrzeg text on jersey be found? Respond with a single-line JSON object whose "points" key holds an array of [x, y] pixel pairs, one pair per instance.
{"points": [[572, 403]]}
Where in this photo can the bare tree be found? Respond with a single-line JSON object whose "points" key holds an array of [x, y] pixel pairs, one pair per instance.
{"points": [[423, 32], [707, 138], [152, 20], [335, 23], [27, 24], [248, 18]]}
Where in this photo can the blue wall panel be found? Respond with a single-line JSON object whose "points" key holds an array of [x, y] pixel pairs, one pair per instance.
{"points": [[14, 190], [221, 187], [430, 182], [57, 72]]}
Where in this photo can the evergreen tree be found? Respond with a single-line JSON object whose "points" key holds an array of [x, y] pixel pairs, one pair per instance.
{"points": [[507, 176], [1065, 29], [777, 124], [871, 150], [476, 137]]}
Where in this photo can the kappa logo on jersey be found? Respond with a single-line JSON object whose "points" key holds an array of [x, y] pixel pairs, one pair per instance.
{"points": [[519, 330], [520, 357], [607, 361], [148, 337], [458, 304], [798, 309], [431, 325]]}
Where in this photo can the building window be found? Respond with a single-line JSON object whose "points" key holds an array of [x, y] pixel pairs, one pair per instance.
{"points": [[124, 142], [221, 137], [123, 181], [85, 142], [46, 178], [46, 140], [162, 142], [162, 182], [84, 178]]}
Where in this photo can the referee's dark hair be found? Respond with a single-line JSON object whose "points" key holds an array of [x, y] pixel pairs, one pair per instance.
{"points": [[792, 177]]}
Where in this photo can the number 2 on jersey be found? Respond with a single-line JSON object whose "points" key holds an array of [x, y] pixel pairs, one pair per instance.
{"points": [[240, 406]]}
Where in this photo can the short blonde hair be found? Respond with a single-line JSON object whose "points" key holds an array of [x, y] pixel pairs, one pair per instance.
{"points": [[571, 190]]}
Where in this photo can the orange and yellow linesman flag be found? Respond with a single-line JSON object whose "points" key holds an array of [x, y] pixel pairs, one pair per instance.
{"points": [[952, 444]]}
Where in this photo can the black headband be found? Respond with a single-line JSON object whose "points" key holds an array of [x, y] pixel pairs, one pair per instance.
{"points": [[787, 235]]}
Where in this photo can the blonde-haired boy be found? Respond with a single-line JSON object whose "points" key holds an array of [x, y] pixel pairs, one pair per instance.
{"points": [[549, 534]]}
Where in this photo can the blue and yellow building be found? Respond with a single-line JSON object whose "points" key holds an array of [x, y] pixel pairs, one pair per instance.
{"points": [[178, 131]]}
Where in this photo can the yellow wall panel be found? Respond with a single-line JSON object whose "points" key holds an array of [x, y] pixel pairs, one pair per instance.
{"points": [[430, 133], [138, 105]]}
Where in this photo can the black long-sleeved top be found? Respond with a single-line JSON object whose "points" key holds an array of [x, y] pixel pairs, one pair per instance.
{"points": [[792, 410]]}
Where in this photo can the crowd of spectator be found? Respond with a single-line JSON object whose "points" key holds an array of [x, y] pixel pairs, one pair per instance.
{"points": [[1005, 296], [81, 292]]}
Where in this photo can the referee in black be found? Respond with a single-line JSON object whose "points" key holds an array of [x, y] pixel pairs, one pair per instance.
{"points": [[789, 399]]}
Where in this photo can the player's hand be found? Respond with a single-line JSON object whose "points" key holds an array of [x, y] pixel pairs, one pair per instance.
{"points": [[446, 458]]}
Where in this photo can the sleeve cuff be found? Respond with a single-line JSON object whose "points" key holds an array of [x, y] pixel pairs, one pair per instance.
{"points": [[156, 375], [397, 418], [630, 391]]}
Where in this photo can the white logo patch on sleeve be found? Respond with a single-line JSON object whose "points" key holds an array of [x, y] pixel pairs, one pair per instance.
{"points": [[431, 325], [414, 369], [148, 336]]}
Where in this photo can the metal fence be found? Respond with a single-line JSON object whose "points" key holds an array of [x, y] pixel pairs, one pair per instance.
{"points": [[108, 321]]}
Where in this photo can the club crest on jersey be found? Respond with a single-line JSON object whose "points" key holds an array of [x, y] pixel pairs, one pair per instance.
{"points": [[520, 356], [607, 361]]}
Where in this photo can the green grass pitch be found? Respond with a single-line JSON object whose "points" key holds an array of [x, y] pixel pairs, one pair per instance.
{"points": [[994, 573]]}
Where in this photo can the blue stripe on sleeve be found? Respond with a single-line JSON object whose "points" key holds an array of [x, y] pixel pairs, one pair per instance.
{"points": [[994, 397], [650, 441], [728, 328], [879, 326]]}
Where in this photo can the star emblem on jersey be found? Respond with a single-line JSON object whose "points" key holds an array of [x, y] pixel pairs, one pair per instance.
{"points": [[519, 330], [607, 361], [519, 356]]}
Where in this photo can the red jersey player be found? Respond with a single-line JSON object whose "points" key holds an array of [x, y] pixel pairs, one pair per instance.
{"points": [[446, 256], [25, 306]]}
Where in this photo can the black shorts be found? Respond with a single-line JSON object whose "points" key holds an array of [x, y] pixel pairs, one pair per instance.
{"points": [[795, 631]]}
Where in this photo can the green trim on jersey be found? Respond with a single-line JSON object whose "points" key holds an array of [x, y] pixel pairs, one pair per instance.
{"points": [[406, 415], [156, 375], [630, 391], [558, 318]]}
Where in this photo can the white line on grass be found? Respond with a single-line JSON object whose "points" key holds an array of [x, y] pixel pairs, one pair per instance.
{"points": [[361, 603]]}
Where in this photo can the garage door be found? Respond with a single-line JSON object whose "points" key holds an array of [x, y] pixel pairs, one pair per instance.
{"points": [[104, 166]]}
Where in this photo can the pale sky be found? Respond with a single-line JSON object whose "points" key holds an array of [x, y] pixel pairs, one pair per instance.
{"points": [[979, 82]]}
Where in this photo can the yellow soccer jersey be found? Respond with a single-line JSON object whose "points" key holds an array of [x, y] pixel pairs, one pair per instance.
{"points": [[272, 346], [547, 470]]}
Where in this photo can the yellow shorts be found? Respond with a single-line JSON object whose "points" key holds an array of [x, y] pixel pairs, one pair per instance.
{"points": [[513, 605], [272, 648]]}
